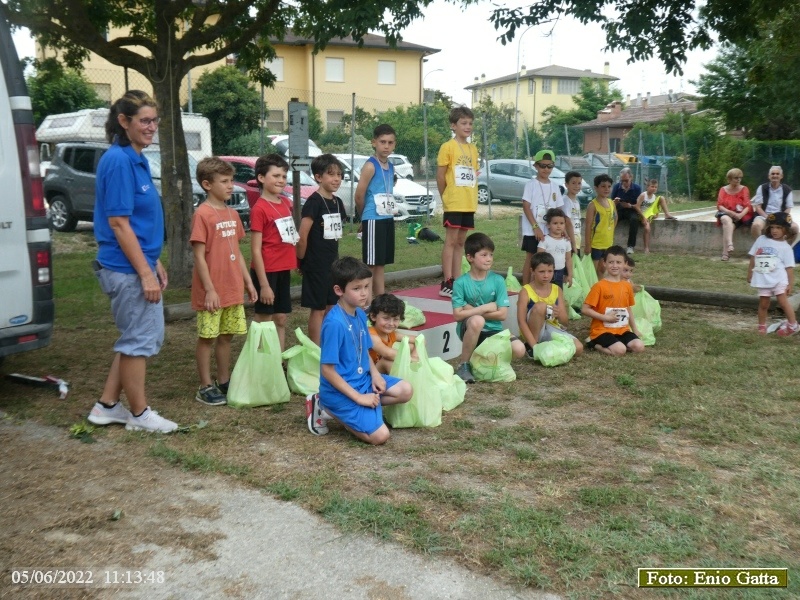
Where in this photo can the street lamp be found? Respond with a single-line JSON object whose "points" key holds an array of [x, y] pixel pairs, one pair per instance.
{"points": [[516, 100], [425, 131]]}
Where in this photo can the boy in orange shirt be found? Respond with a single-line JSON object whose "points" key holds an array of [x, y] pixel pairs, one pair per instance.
{"points": [[219, 278], [613, 330]]}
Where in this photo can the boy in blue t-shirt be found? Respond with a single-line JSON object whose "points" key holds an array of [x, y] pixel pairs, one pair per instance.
{"points": [[375, 203], [480, 303], [351, 390]]}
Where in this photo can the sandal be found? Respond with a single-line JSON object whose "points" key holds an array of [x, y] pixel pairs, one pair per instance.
{"points": [[670, 218], [725, 256], [730, 248]]}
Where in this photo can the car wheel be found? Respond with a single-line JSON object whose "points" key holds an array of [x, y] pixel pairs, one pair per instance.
{"points": [[484, 195], [61, 216], [410, 177]]}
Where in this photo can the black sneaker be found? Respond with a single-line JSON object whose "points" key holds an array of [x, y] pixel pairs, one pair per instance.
{"points": [[446, 288], [222, 387], [465, 372], [211, 396]]}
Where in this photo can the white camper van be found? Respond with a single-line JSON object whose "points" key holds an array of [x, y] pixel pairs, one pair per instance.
{"points": [[26, 288], [89, 126]]}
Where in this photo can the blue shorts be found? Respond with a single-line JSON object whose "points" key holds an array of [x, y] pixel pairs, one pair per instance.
{"points": [[140, 323], [598, 254], [358, 418], [558, 277]]}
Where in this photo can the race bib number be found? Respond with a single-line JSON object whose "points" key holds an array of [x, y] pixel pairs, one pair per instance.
{"points": [[332, 226], [287, 230], [765, 263], [384, 205], [464, 176], [622, 318]]}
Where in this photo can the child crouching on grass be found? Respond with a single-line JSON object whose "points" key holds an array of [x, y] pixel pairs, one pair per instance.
{"points": [[351, 390], [386, 312], [613, 330], [540, 306], [771, 270]]}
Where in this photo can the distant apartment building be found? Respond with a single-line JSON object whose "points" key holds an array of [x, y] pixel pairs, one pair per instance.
{"points": [[381, 77], [539, 89]]}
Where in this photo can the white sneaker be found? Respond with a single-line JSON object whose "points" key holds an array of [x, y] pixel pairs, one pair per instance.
{"points": [[629, 251], [150, 420], [101, 415]]}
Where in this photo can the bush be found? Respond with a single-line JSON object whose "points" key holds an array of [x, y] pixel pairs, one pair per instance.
{"points": [[249, 144]]}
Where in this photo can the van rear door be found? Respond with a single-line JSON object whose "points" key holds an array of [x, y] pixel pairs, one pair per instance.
{"points": [[26, 309]]}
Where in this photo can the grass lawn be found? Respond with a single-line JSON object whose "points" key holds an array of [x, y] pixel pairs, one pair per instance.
{"points": [[567, 479]]}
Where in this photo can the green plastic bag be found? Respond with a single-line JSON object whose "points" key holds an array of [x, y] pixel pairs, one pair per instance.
{"points": [[413, 317], [512, 283], [464, 265], [647, 307], [491, 361], [589, 272], [425, 407], [646, 329], [257, 378], [302, 365], [574, 294], [573, 314], [452, 388], [558, 351], [579, 278]]}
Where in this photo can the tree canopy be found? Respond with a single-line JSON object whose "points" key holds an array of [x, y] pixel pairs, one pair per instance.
{"points": [[666, 29], [230, 101], [594, 95], [55, 89], [164, 39], [753, 85]]}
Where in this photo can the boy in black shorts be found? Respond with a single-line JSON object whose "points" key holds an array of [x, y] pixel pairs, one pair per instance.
{"points": [[320, 231], [375, 202], [456, 179]]}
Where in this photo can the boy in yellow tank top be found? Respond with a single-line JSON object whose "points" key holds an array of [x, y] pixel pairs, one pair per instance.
{"points": [[600, 222], [540, 306]]}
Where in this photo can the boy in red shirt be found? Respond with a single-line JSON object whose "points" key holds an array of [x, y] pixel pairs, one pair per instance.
{"points": [[273, 231]]}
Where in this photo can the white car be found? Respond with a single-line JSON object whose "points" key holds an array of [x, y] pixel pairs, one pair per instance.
{"points": [[411, 199], [402, 166]]}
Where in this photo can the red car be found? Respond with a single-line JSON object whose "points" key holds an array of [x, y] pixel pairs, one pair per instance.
{"points": [[246, 176]]}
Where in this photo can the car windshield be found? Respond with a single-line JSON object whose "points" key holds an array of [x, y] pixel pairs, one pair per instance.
{"points": [[305, 178], [154, 158]]}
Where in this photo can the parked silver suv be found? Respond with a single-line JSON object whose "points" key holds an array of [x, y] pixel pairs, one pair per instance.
{"points": [[70, 183]]}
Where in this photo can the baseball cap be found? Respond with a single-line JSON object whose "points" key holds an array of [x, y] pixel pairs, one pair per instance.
{"points": [[781, 219], [544, 154]]}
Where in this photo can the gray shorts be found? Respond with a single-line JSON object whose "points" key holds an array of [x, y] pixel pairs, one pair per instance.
{"points": [[546, 334], [140, 323]]}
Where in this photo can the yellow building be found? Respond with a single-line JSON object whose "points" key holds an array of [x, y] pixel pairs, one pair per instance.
{"points": [[539, 89], [381, 77]]}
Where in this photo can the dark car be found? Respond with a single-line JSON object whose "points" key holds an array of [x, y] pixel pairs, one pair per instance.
{"points": [[69, 185]]}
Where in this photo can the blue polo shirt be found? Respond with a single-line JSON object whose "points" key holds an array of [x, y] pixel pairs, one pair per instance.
{"points": [[124, 188]]}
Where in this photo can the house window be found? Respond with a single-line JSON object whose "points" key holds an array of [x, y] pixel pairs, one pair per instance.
{"points": [[494, 93], [103, 91], [569, 86], [334, 69], [547, 85], [501, 94], [334, 118], [275, 120], [530, 85], [387, 72], [614, 144], [276, 66]]}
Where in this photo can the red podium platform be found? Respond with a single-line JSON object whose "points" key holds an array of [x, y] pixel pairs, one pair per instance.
{"points": [[440, 327]]}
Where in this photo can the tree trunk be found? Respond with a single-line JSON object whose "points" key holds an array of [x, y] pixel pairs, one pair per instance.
{"points": [[176, 181]]}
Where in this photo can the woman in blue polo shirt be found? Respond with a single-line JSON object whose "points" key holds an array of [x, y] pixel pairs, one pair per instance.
{"points": [[129, 228]]}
